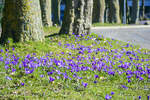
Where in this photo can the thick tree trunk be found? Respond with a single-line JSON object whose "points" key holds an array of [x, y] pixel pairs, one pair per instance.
{"points": [[127, 12], [135, 12], [124, 7], [121, 5], [98, 11], [114, 16], [143, 9], [88, 10], [78, 17], [22, 21], [68, 20], [46, 12], [106, 13], [56, 11]]}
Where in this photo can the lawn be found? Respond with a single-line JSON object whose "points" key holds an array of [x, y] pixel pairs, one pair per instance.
{"points": [[107, 24], [90, 67]]}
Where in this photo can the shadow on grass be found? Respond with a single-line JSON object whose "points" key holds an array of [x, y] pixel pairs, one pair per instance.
{"points": [[52, 35], [56, 34]]}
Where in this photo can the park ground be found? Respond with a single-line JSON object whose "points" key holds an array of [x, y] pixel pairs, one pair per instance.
{"points": [[91, 67]]}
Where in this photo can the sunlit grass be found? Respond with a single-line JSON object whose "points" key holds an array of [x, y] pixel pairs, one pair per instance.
{"points": [[108, 24], [51, 30], [64, 51]]}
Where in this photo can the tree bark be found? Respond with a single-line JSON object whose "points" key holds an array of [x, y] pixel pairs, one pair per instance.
{"points": [[88, 10], [114, 16], [46, 12], [78, 17], [106, 13], [22, 21], [56, 11], [98, 11], [127, 12], [68, 20], [121, 5], [143, 9], [135, 12]]}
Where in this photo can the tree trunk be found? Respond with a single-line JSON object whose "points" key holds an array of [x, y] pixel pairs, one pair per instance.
{"points": [[143, 9], [22, 21], [46, 12], [127, 12], [56, 11], [68, 20], [106, 13], [98, 11], [88, 10], [78, 17], [121, 7], [114, 16], [135, 12]]}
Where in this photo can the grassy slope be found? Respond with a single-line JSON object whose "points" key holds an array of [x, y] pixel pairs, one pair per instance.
{"points": [[37, 87]]}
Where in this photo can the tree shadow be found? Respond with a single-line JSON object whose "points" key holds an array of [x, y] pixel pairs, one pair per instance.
{"points": [[52, 35]]}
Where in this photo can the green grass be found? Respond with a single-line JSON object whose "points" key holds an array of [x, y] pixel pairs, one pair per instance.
{"points": [[51, 30], [108, 24], [65, 89]]}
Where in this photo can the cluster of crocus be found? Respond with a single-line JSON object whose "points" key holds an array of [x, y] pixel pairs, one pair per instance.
{"points": [[90, 59]]}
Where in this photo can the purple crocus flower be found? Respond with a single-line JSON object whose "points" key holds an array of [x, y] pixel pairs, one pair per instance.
{"points": [[74, 75], [6, 50], [73, 33], [123, 86], [129, 77], [22, 84], [7, 62], [84, 84], [79, 77], [20, 66], [149, 76], [148, 97], [131, 58], [65, 76], [13, 49], [127, 45], [95, 82], [51, 79], [58, 77], [1, 50], [142, 60], [107, 97], [96, 76], [6, 67], [128, 52], [112, 93], [28, 71], [8, 78], [59, 43], [110, 72], [31, 71], [62, 53], [1, 58], [129, 80], [41, 76], [49, 73], [139, 97], [141, 78]]}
